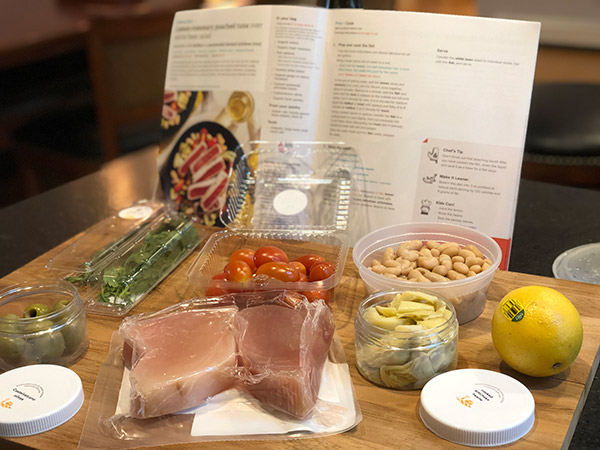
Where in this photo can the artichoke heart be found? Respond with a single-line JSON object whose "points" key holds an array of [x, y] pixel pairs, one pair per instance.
{"points": [[398, 376], [389, 323], [433, 322], [414, 296], [386, 311], [408, 307]]}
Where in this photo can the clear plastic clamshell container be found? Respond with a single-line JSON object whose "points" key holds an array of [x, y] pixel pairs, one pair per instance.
{"points": [[119, 260], [295, 196]]}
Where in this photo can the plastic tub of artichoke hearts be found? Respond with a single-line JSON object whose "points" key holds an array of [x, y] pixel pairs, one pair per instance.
{"points": [[405, 348], [468, 295]]}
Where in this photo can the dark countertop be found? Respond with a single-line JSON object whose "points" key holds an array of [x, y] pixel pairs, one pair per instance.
{"points": [[549, 220]]}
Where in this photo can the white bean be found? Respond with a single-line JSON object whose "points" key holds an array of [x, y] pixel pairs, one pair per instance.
{"points": [[410, 255], [430, 261], [475, 250], [451, 251], [432, 244], [440, 270], [460, 267], [393, 270], [475, 268], [391, 263], [465, 253], [454, 275], [425, 252], [427, 262], [388, 254], [473, 260], [432, 276]]}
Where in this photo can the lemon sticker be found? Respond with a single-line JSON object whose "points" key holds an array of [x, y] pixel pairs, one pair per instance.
{"points": [[513, 310]]}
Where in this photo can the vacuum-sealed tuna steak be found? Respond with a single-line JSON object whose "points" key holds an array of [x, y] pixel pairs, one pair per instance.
{"points": [[283, 350], [178, 358]]}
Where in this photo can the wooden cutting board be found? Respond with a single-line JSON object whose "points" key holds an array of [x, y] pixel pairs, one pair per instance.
{"points": [[390, 418]]}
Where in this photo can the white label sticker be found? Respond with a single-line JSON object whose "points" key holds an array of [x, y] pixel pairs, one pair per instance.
{"points": [[290, 202], [135, 212]]}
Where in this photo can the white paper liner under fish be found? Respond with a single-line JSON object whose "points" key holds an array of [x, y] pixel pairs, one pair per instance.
{"points": [[235, 412], [231, 415]]}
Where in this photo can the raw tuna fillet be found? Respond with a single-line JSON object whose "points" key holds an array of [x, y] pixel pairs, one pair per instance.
{"points": [[178, 358], [283, 350]]}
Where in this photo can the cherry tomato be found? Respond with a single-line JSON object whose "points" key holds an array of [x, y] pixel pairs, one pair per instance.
{"points": [[269, 254], [315, 295], [244, 254], [213, 290], [238, 271], [321, 271], [220, 276], [298, 266], [302, 277], [279, 270], [308, 261]]}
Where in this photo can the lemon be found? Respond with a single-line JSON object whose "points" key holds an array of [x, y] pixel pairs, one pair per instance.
{"points": [[537, 331]]}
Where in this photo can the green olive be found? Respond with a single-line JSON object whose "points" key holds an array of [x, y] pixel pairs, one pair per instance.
{"points": [[36, 310], [73, 334], [11, 317], [9, 323], [48, 345], [60, 305], [11, 349]]}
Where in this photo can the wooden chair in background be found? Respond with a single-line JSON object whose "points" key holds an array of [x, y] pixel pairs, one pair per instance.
{"points": [[127, 57]]}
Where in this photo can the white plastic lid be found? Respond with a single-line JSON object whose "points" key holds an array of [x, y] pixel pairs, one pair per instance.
{"points": [[38, 398], [476, 407], [579, 264]]}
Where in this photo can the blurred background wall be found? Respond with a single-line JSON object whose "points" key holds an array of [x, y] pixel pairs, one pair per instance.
{"points": [[81, 83]]}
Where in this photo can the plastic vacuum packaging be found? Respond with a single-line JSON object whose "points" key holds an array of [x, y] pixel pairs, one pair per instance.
{"points": [[178, 358], [282, 351], [268, 358], [119, 260]]}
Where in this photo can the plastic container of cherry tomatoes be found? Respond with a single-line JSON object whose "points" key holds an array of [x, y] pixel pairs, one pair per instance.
{"points": [[292, 199]]}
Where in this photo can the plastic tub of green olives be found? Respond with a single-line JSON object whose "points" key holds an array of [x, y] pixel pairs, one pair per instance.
{"points": [[404, 338], [41, 323]]}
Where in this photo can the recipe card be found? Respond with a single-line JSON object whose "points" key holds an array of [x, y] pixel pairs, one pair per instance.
{"points": [[435, 105]]}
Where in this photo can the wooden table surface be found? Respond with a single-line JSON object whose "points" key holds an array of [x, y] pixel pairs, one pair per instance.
{"points": [[390, 418]]}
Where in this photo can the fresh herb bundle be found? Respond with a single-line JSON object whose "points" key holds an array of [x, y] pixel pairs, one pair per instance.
{"points": [[91, 271], [161, 249]]}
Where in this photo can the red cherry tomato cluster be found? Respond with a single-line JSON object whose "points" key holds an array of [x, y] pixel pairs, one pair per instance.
{"points": [[245, 263]]}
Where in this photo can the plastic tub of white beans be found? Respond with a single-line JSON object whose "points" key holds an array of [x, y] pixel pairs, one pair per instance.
{"points": [[452, 261]]}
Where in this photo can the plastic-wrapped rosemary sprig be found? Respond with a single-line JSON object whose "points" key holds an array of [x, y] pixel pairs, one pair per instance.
{"points": [[162, 248], [91, 271]]}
